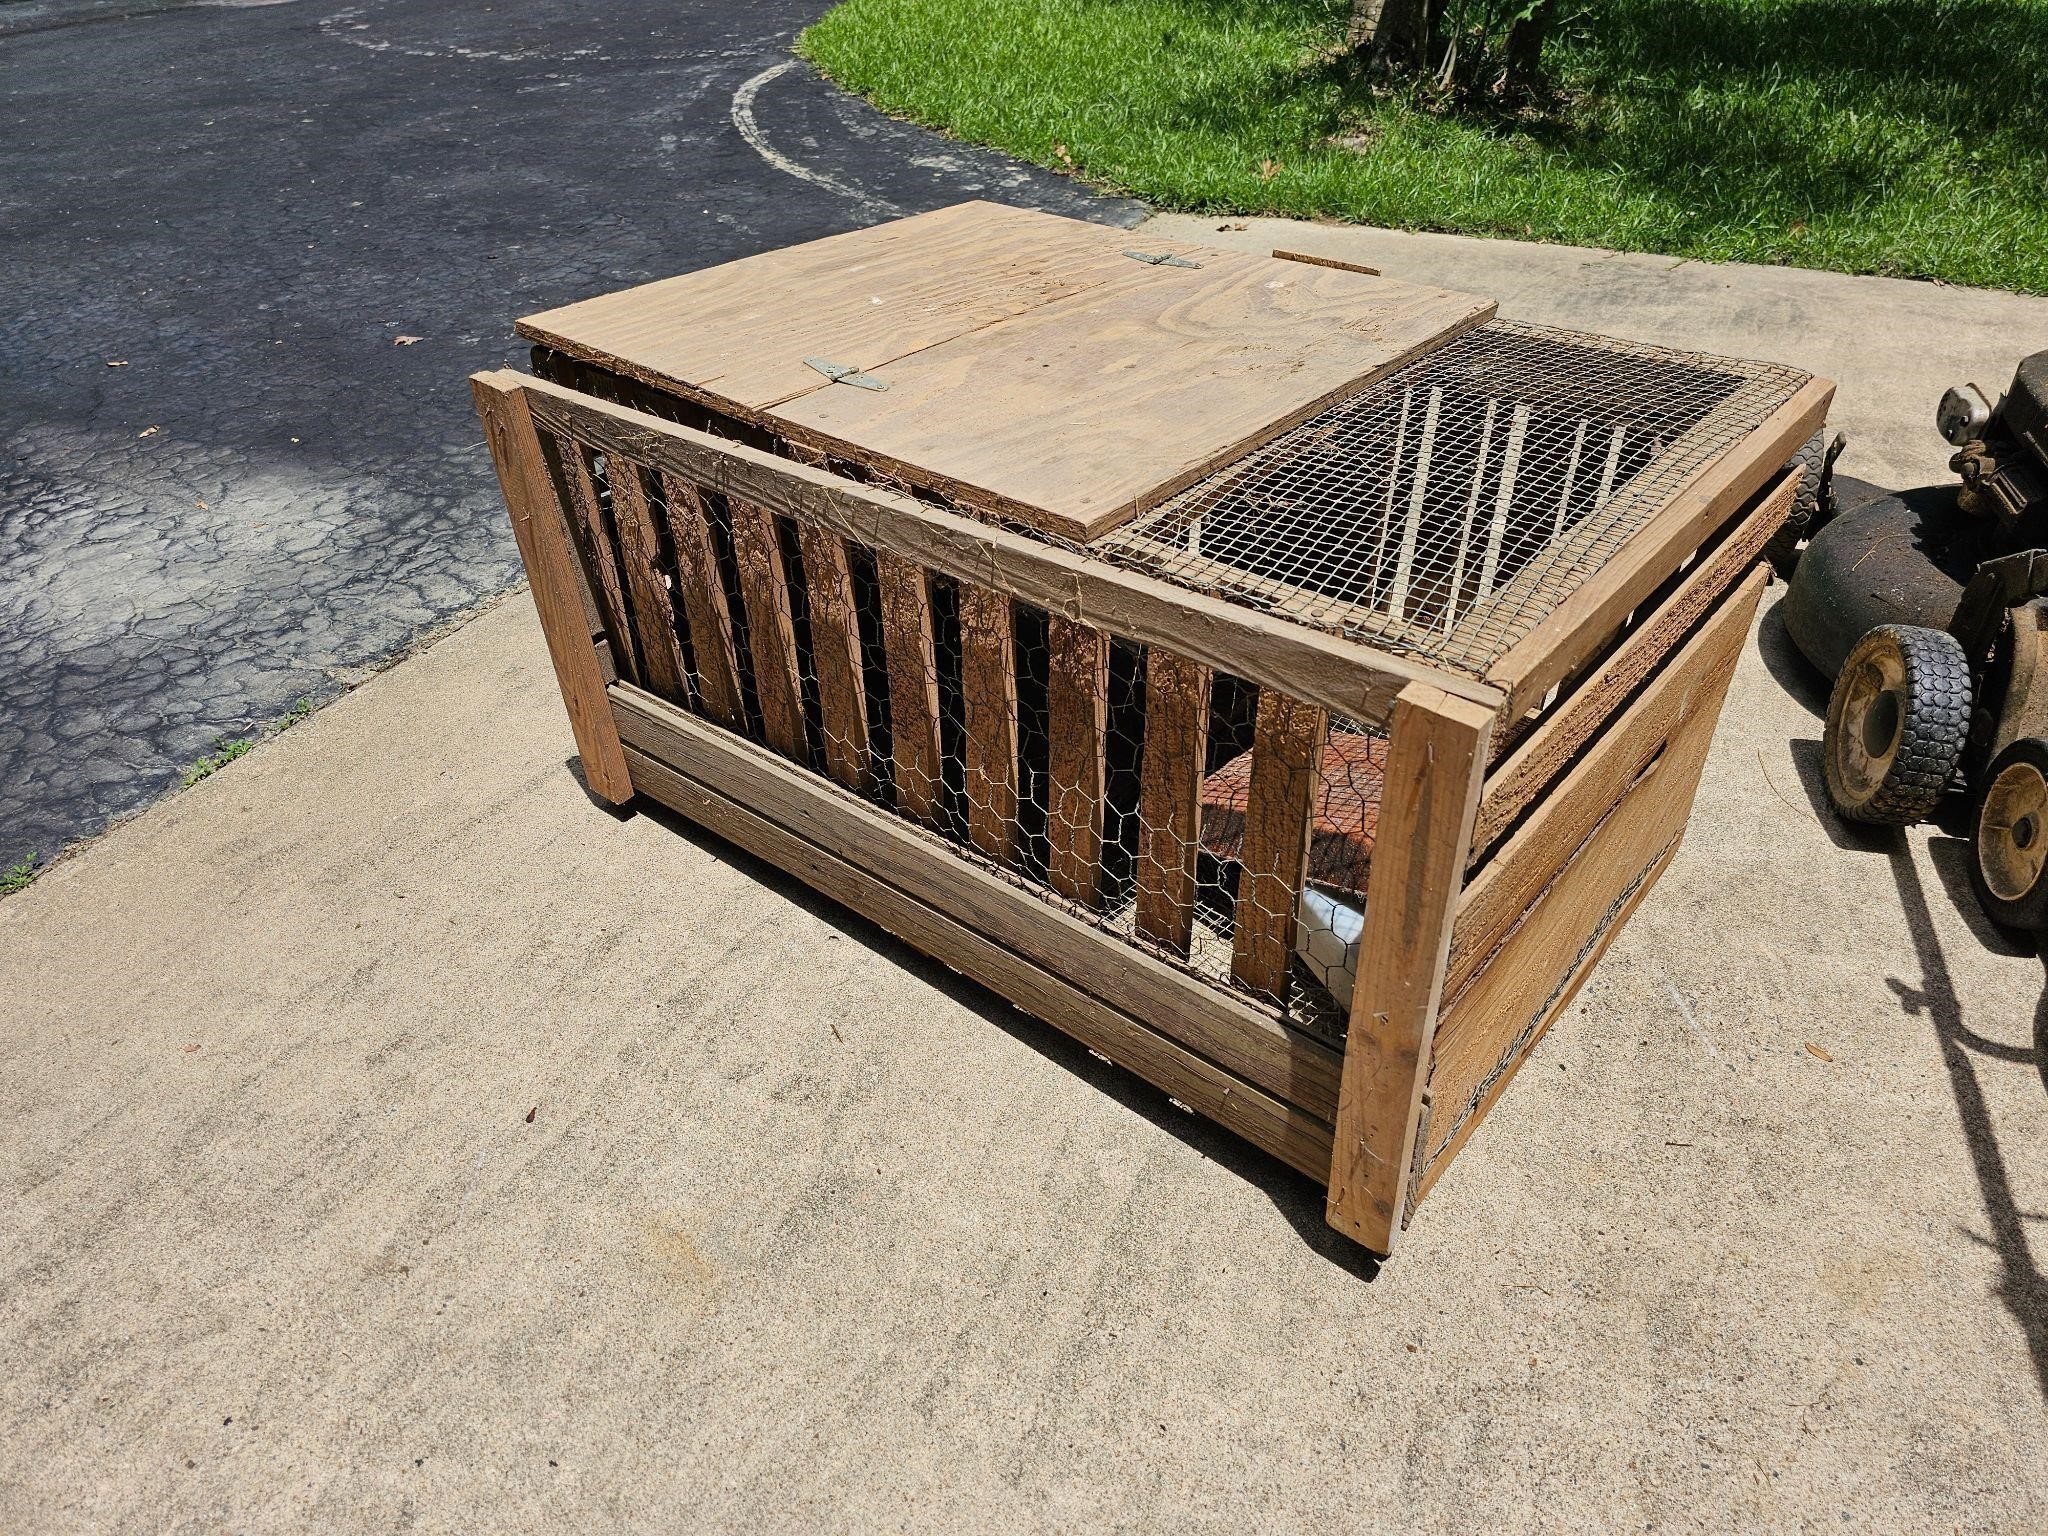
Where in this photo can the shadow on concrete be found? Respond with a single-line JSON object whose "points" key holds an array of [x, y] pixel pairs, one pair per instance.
{"points": [[2024, 1288], [1296, 1197], [1788, 667]]}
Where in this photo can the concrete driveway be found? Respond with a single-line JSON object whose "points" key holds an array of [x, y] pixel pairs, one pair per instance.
{"points": [[394, 1140], [251, 249]]}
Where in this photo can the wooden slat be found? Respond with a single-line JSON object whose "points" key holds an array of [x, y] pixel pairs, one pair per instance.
{"points": [[1584, 620], [835, 642], [1170, 797], [1287, 748], [541, 530], [1693, 681], [654, 615], [1248, 1043], [1549, 749], [704, 605], [1077, 712], [1525, 983], [771, 635], [1342, 675], [988, 692], [571, 462], [913, 669], [1436, 757]]}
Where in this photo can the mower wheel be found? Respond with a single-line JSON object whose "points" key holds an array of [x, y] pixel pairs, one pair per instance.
{"points": [[1897, 721], [1810, 504], [2009, 848]]}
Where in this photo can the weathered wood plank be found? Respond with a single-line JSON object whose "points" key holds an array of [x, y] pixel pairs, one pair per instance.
{"points": [[1077, 713], [1693, 680], [980, 320], [654, 614], [570, 463], [771, 634], [1436, 758], [1169, 797], [1549, 749], [913, 670], [1342, 675], [1248, 1042], [835, 642], [988, 691], [704, 603], [1287, 748], [540, 527], [736, 336]]}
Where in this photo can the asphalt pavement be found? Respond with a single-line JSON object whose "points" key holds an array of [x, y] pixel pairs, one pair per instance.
{"points": [[253, 248]]}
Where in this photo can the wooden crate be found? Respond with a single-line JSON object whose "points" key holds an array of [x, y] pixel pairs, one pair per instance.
{"points": [[1096, 763]]}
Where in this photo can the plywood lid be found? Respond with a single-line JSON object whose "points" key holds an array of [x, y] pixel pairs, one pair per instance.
{"points": [[1028, 364]]}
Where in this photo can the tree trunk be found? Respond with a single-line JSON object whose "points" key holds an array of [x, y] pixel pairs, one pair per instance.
{"points": [[1525, 48], [1395, 32]]}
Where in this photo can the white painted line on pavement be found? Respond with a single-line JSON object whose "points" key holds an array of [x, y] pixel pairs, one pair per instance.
{"points": [[743, 119]]}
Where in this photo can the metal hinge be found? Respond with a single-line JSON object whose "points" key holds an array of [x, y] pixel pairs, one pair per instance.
{"points": [[1162, 259], [844, 373]]}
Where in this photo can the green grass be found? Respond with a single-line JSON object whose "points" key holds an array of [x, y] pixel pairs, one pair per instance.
{"points": [[1894, 136], [19, 876]]}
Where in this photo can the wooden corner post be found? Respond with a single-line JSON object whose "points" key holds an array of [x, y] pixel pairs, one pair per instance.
{"points": [[560, 593], [1436, 765]]}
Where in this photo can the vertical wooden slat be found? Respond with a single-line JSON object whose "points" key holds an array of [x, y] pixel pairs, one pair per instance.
{"points": [[1077, 712], [1436, 764], [1287, 746], [988, 687], [586, 521], [913, 669], [703, 594], [835, 642], [654, 614], [559, 594], [771, 636], [1170, 796]]}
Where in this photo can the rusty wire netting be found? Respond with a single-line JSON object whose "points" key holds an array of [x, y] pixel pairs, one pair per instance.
{"points": [[1445, 510]]}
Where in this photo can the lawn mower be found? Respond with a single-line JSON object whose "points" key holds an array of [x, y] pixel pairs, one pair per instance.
{"points": [[1927, 609]]}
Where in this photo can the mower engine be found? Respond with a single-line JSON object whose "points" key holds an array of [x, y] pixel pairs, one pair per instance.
{"points": [[2002, 449]]}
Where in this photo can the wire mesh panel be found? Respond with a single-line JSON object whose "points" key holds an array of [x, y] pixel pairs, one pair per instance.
{"points": [[1447, 509]]}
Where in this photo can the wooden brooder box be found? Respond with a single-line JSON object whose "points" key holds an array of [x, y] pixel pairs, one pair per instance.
{"points": [[1281, 678]]}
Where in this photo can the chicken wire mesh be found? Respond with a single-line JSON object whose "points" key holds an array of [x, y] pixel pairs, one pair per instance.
{"points": [[1142, 792], [1447, 509], [1442, 512]]}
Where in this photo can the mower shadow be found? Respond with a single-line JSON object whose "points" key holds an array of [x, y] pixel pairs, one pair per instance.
{"points": [[2024, 1288]]}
